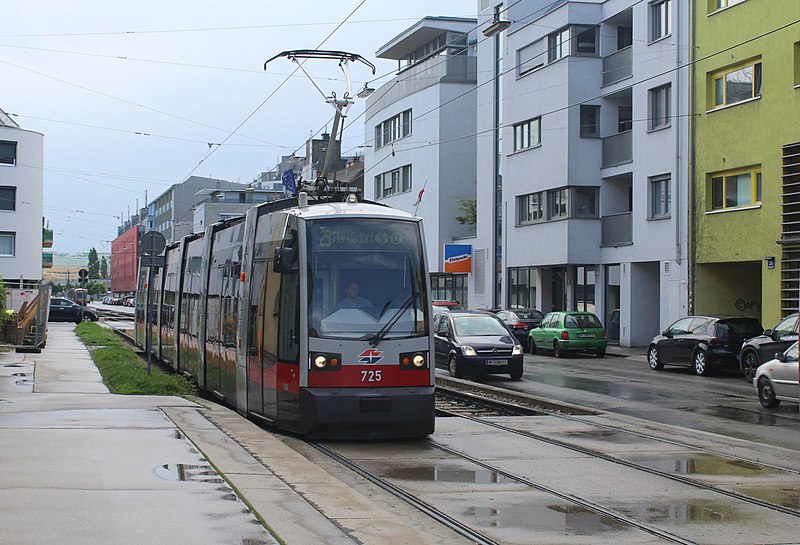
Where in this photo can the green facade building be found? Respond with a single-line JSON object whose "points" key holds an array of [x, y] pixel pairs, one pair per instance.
{"points": [[746, 160]]}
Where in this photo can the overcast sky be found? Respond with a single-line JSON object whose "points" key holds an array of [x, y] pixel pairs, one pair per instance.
{"points": [[130, 95]]}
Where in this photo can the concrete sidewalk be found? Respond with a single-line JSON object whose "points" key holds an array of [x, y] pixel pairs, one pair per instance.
{"points": [[81, 466]]}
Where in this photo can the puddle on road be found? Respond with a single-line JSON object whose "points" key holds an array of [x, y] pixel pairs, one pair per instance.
{"points": [[784, 496], [684, 511], [186, 472], [605, 435], [561, 518], [445, 474], [739, 415], [705, 465]]}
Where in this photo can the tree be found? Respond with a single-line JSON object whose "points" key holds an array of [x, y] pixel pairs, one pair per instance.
{"points": [[103, 267], [93, 265], [470, 209]]}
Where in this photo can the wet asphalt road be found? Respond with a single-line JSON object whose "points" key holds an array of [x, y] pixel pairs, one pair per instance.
{"points": [[723, 404]]}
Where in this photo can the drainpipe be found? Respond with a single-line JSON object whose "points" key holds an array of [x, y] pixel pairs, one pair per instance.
{"points": [[691, 219]]}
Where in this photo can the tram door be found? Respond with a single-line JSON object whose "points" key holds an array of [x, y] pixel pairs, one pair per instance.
{"points": [[262, 345]]}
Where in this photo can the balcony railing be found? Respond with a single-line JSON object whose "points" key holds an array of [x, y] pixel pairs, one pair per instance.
{"points": [[617, 149], [617, 229], [618, 66]]}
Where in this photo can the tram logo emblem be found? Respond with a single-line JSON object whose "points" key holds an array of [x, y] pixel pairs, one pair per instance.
{"points": [[370, 356]]}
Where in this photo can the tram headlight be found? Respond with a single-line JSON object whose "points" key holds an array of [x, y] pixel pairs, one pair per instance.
{"points": [[325, 361], [414, 360]]}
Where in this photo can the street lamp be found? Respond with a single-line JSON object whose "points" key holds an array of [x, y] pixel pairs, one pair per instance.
{"points": [[498, 25]]}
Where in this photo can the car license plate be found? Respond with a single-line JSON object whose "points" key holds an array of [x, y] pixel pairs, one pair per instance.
{"points": [[496, 362], [586, 335]]}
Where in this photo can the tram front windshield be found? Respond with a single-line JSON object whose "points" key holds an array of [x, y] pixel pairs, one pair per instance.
{"points": [[365, 279]]}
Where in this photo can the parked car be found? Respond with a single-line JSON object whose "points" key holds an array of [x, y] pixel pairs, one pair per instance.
{"points": [[64, 310], [777, 379], [763, 347], [570, 331], [519, 321], [472, 342], [703, 343], [440, 305]]}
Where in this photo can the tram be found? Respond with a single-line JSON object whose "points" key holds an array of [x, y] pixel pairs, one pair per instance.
{"points": [[310, 313], [78, 295]]}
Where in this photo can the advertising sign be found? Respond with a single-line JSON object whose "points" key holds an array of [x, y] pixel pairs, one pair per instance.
{"points": [[457, 258]]}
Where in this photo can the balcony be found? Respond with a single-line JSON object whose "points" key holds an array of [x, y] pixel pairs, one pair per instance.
{"points": [[47, 238], [618, 66], [617, 229], [617, 149]]}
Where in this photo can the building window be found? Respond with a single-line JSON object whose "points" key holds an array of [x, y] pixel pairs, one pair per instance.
{"points": [[8, 198], [558, 203], [530, 208], [660, 14], [572, 40], [7, 243], [735, 189], [736, 85], [714, 5], [8, 153], [527, 134], [659, 107], [522, 287], [590, 121], [585, 40], [393, 182], [393, 129], [797, 64], [659, 197], [585, 202], [624, 118], [558, 45]]}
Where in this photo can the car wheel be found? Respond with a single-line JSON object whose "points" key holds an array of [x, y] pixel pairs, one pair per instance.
{"points": [[601, 352], [532, 346], [557, 352], [749, 365], [766, 393], [653, 359], [516, 374], [453, 366], [700, 363]]}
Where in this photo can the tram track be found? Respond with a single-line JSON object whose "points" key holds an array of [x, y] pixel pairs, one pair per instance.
{"points": [[485, 409], [615, 459]]}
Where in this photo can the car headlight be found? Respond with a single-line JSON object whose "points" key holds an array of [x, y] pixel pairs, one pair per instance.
{"points": [[517, 350], [468, 351]]}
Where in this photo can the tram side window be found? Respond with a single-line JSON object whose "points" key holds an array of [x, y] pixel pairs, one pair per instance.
{"points": [[289, 322]]}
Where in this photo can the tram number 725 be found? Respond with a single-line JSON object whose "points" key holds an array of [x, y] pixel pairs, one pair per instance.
{"points": [[371, 376]]}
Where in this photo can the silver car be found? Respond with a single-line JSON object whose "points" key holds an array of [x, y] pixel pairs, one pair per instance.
{"points": [[777, 379]]}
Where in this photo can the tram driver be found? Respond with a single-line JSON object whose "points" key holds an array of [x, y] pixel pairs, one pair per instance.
{"points": [[352, 299]]}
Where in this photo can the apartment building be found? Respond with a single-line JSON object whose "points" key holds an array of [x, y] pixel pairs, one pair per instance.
{"points": [[21, 198], [747, 158], [420, 138], [583, 160]]}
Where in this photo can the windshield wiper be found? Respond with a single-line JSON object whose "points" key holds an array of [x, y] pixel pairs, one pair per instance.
{"points": [[378, 337]]}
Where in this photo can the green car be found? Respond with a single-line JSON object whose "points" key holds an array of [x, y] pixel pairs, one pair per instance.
{"points": [[569, 332]]}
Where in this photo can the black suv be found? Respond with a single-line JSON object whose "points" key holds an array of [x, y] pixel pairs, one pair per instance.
{"points": [[64, 310], [471, 342], [763, 347], [702, 342]]}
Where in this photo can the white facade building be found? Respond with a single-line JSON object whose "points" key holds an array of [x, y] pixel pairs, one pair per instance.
{"points": [[420, 134], [588, 169], [21, 195]]}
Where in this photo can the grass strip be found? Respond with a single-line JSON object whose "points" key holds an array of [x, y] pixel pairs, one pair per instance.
{"points": [[123, 371]]}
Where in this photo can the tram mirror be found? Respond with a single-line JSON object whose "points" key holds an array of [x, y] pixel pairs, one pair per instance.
{"points": [[284, 257]]}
